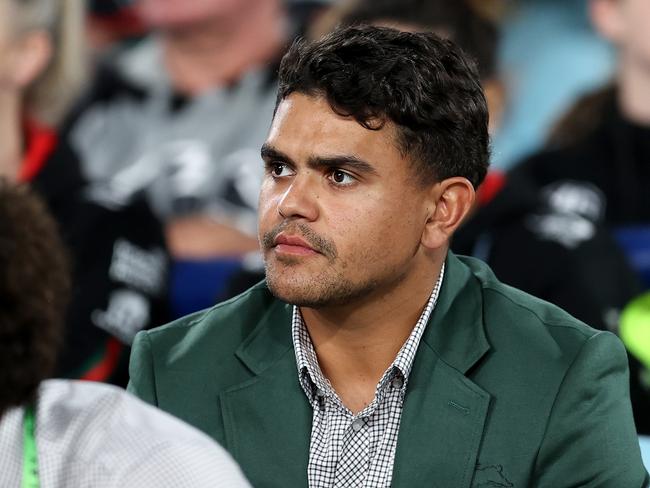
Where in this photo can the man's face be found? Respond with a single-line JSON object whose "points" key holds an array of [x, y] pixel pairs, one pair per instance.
{"points": [[341, 212], [164, 14]]}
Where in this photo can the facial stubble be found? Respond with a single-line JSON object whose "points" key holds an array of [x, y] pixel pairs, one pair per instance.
{"points": [[289, 279]]}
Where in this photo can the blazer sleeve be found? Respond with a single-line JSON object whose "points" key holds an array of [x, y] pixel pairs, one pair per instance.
{"points": [[142, 381], [590, 438]]}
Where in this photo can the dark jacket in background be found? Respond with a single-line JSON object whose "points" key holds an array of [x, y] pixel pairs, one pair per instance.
{"points": [[118, 258]]}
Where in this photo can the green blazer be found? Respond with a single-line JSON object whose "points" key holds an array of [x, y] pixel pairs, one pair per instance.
{"points": [[505, 391]]}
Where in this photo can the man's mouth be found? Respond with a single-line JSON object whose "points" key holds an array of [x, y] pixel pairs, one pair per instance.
{"points": [[289, 244], [297, 239]]}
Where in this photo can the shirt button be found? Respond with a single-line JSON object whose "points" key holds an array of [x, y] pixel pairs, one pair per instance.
{"points": [[357, 425], [397, 383]]}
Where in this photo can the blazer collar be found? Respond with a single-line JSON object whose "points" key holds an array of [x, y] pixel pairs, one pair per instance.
{"points": [[271, 338], [270, 409], [455, 330]]}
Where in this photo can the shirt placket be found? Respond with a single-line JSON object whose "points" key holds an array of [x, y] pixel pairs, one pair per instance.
{"points": [[354, 460], [384, 433], [348, 450]]}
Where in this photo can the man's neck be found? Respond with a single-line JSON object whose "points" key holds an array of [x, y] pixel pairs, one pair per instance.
{"points": [[356, 343], [634, 91], [219, 51], [11, 137]]}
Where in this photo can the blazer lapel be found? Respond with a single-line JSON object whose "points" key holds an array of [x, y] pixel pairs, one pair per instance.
{"points": [[267, 419], [444, 411], [441, 428]]}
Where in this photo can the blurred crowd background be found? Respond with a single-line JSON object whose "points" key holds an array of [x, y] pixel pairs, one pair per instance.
{"points": [[139, 122]]}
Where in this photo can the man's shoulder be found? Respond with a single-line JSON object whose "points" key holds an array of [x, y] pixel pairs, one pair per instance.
{"points": [[512, 314], [535, 343], [540, 366], [230, 321]]}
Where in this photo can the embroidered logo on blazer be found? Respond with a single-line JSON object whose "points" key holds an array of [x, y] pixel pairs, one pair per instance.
{"points": [[490, 476]]}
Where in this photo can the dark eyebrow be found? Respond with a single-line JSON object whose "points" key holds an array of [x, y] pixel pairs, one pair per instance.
{"points": [[345, 161], [269, 152]]}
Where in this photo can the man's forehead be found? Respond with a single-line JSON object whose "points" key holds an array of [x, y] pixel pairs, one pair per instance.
{"points": [[311, 118], [305, 107]]}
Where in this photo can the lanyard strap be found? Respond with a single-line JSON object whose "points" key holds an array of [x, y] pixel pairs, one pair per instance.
{"points": [[30, 455]]}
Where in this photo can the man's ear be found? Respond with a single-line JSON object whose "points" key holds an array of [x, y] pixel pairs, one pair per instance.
{"points": [[607, 17], [452, 200], [30, 55]]}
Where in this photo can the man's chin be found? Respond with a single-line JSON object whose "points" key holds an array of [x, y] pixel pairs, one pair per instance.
{"points": [[293, 293], [312, 292], [296, 291]]}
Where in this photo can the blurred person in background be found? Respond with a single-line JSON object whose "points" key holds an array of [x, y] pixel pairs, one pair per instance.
{"points": [[549, 56], [180, 117], [63, 433], [117, 247], [572, 224], [112, 23]]}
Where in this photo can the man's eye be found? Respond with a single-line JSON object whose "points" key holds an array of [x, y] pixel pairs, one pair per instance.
{"points": [[342, 178], [279, 170]]}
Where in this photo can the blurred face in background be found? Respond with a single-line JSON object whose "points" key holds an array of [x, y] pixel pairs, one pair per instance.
{"points": [[5, 43], [636, 30], [168, 14], [627, 24], [24, 50]]}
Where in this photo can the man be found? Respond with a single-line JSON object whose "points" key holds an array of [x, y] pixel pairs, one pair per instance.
{"points": [[456, 20], [69, 433], [372, 356]]}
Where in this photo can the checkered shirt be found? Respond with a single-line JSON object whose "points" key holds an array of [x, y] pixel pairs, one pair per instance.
{"points": [[347, 450]]}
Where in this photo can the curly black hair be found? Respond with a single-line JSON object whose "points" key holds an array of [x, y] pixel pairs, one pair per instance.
{"points": [[456, 20], [34, 290], [425, 85]]}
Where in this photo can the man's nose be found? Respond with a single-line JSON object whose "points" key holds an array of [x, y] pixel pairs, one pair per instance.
{"points": [[300, 199]]}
